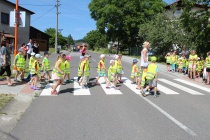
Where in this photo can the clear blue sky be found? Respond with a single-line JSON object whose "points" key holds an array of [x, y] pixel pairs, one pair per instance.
{"points": [[74, 17]]}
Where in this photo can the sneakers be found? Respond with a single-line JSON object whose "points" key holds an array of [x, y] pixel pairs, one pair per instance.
{"points": [[155, 96], [116, 88], [16, 80], [35, 88], [143, 93]]}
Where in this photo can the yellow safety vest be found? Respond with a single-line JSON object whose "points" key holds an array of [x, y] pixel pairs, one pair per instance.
{"points": [[173, 59], [79, 69], [111, 71], [133, 72], [46, 64], [193, 57], [67, 67], [20, 63], [102, 69], [62, 67], [33, 68], [31, 60], [86, 66], [207, 62], [151, 71], [168, 59], [119, 66]]}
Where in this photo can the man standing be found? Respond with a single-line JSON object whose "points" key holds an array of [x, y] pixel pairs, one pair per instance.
{"points": [[144, 61], [185, 52], [29, 48], [5, 52]]}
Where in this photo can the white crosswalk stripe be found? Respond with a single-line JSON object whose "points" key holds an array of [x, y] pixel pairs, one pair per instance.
{"points": [[109, 91], [47, 90], [163, 88], [127, 83], [194, 85], [185, 89], [78, 89]]}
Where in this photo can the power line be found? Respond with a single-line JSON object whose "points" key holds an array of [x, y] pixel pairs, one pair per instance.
{"points": [[36, 5], [43, 14]]}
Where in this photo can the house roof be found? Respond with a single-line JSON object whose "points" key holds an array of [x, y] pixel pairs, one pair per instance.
{"points": [[19, 6], [40, 31], [179, 4]]}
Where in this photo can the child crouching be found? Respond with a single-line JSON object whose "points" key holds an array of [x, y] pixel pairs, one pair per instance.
{"points": [[151, 77]]}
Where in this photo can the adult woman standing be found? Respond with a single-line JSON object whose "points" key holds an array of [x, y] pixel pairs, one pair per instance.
{"points": [[83, 50], [192, 63]]}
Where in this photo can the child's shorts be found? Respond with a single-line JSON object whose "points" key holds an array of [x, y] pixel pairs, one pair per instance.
{"points": [[152, 83], [101, 74], [192, 66]]}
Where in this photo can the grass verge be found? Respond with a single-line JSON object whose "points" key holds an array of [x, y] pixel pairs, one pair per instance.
{"points": [[4, 99]]}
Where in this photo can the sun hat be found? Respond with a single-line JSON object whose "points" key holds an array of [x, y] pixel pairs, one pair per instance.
{"points": [[81, 57], [153, 59], [46, 53], [111, 61], [38, 56], [102, 55], [33, 53], [199, 58], [86, 56], [68, 57], [116, 57], [135, 60]]}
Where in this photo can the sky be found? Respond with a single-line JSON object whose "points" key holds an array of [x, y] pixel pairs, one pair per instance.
{"points": [[74, 17]]}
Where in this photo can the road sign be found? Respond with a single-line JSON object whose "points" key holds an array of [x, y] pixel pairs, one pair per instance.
{"points": [[22, 18]]}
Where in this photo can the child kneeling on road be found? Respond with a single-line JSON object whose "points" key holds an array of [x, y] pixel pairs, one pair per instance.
{"points": [[151, 77]]}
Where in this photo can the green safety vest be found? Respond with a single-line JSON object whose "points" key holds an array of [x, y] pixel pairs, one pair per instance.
{"points": [[20, 63], [102, 69], [62, 67], [30, 62], [193, 57], [67, 67], [135, 71], [46, 64], [80, 69], [151, 71], [86, 66], [33, 68], [111, 71], [168, 59], [207, 63]]}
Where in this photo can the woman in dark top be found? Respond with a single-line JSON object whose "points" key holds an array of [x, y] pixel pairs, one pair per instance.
{"points": [[35, 48]]}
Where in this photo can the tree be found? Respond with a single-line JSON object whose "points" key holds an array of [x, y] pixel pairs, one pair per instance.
{"points": [[119, 20], [61, 39], [95, 39], [70, 40]]}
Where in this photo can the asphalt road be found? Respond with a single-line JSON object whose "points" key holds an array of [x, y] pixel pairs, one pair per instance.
{"points": [[127, 116]]}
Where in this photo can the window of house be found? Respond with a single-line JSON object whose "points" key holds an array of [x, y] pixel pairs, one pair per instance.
{"points": [[5, 18]]}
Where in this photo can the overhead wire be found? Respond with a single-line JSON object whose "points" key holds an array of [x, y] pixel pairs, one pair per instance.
{"points": [[43, 14]]}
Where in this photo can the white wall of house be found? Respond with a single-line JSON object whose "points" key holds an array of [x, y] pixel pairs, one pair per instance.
{"points": [[24, 32]]}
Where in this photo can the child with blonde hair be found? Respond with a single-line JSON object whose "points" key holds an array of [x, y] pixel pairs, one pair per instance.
{"points": [[58, 73], [67, 69], [112, 75], [135, 72]]}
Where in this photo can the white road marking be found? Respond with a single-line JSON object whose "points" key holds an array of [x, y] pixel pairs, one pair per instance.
{"points": [[47, 90], [193, 92], [127, 83], [93, 59], [178, 123], [194, 85], [78, 89], [165, 89], [111, 90]]}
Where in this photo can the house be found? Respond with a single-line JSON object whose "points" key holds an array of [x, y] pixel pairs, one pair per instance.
{"points": [[24, 32], [180, 6], [41, 38]]}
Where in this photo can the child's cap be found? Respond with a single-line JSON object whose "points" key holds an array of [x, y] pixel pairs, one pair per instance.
{"points": [[81, 57], [153, 59], [46, 53], [102, 55], [135, 60], [116, 57], [32, 53], [38, 56], [199, 58], [68, 57], [111, 61]]}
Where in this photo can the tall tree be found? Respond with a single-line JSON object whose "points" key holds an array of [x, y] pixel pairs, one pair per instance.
{"points": [[70, 40], [119, 20]]}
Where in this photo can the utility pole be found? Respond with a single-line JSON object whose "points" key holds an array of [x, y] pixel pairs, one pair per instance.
{"points": [[56, 30], [17, 16]]}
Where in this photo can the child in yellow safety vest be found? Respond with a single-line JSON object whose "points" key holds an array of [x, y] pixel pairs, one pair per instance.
{"points": [[79, 70], [20, 64], [168, 61], [120, 68], [58, 73], [180, 65], [102, 70], [192, 64], [31, 60], [85, 67], [135, 72], [151, 77], [46, 66], [35, 72], [67, 69], [112, 75], [199, 67]]}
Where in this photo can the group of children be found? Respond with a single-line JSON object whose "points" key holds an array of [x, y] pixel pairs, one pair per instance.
{"points": [[194, 66]]}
